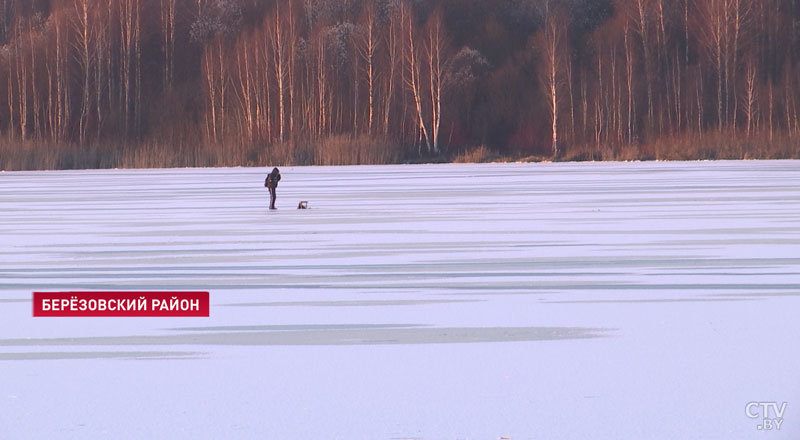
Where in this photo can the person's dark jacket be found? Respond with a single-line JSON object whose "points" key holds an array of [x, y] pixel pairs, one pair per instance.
{"points": [[272, 179]]}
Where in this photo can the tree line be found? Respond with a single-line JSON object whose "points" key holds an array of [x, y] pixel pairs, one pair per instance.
{"points": [[227, 82]]}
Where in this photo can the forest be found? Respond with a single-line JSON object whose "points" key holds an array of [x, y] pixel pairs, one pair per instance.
{"points": [[162, 83]]}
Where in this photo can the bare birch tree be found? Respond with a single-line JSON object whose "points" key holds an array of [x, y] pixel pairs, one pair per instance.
{"points": [[367, 47], [552, 41], [83, 31], [435, 52], [413, 80], [280, 45]]}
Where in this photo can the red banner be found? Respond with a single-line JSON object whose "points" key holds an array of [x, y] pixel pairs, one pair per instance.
{"points": [[121, 304]]}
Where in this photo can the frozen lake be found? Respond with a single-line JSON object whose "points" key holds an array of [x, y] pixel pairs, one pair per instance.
{"points": [[529, 301]]}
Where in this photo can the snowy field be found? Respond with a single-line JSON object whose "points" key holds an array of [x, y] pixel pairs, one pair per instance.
{"points": [[522, 301]]}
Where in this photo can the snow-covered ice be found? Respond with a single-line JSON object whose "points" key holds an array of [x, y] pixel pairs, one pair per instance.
{"points": [[531, 301]]}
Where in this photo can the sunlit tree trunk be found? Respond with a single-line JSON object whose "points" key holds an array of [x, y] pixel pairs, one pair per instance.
{"points": [[100, 51], [713, 17], [598, 106], [222, 80], [552, 40], [750, 96], [392, 61], [245, 91], [584, 105], [50, 122], [291, 61], [700, 101], [84, 34], [676, 87], [279, 61], [62, 94], [629, 82], [367, 48], [22, 84], [266, 50], [788, 99], [11, 104], [771, 106], [413, 64], [211, 89], [137, 111], [126, 61], [322, 91], [663, 65], [435, 53], [34, 87], [643, 13], [569, 79]]}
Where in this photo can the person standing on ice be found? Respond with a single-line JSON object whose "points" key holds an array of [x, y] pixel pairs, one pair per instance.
{"points": [[271, 183]]}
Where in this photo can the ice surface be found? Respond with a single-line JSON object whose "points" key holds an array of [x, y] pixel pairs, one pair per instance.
{"points": [[534, 301]]}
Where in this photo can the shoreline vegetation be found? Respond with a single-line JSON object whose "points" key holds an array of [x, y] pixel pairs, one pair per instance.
{"points": [[213, 83], [371, 151]]}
